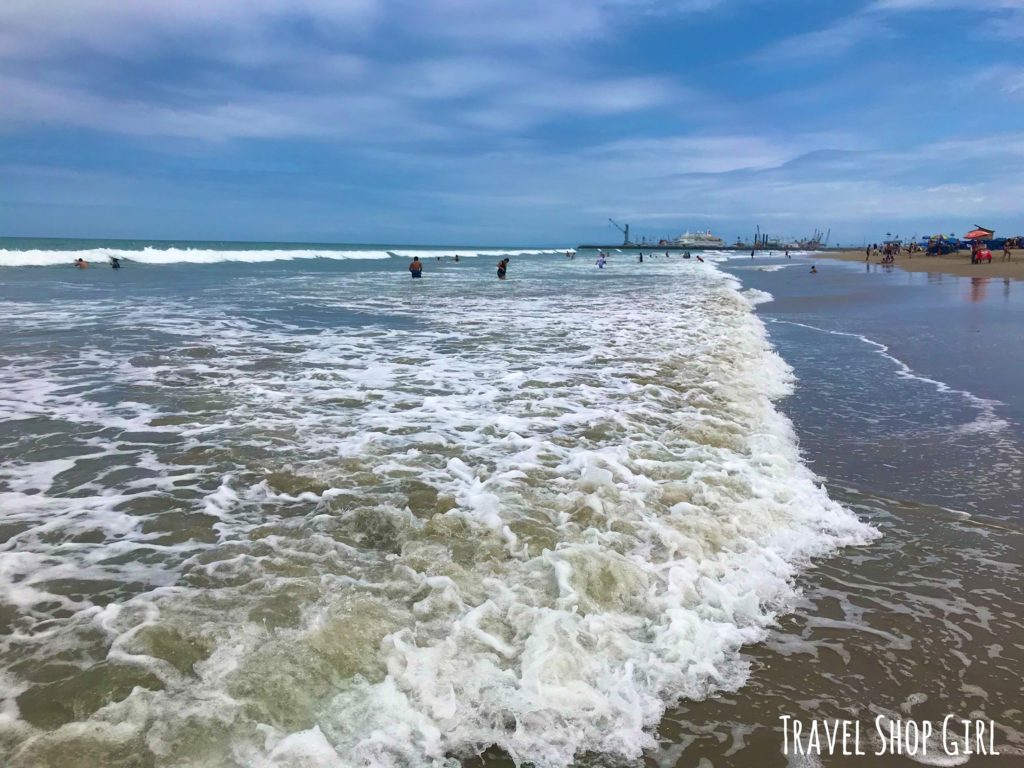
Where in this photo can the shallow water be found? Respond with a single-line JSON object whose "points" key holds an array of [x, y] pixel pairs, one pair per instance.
{"points": [[315, 513]]}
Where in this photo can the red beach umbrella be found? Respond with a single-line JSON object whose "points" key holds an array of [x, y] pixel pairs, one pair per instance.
{"points": [[979, 234]]}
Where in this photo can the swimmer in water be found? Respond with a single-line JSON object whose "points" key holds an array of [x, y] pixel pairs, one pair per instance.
{"points": [[115, 263], [601, 262], [641, 257], [456, 258], [502, 268], [81, 263], [700, 259], [814, 270], [416, 267]]}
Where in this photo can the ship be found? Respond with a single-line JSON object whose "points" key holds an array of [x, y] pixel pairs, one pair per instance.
{"points": [[694, 240], [686, 241]]}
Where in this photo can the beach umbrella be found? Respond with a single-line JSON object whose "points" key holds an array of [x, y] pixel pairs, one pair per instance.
{"points": [[979, 234]]}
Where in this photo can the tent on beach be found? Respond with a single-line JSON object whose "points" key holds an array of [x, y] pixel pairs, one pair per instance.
{"points": [[942, 244]]}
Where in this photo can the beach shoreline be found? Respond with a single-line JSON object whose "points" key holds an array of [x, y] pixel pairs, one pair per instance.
{"points": [[952, 264]]}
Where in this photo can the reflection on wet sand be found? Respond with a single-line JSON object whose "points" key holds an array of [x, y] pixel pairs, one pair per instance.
{"points": [[979, 287]]}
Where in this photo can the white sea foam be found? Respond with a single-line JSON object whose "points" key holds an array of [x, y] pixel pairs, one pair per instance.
{"points": [[524, 522], [471, 252], [756, 296], [151, 255]]}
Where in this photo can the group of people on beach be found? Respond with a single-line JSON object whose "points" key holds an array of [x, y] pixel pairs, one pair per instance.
{"points": [[979, 252], [889, 251]]}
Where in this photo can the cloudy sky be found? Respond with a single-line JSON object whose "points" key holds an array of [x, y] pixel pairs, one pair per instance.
{"points": [[509, 121]]}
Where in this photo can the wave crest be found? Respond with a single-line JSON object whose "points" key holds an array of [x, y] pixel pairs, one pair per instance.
{"points": [[152, 255]]}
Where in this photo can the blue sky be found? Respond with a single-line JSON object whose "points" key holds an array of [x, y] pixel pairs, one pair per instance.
{"points": [[529, 122]]}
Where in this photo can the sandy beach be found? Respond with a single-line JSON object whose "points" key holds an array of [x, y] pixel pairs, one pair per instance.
{"points": [[953, 264]]}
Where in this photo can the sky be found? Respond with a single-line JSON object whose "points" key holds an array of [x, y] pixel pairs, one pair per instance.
{"points": [[525, 122]]}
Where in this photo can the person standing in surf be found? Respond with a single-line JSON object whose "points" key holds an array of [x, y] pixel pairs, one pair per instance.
{"points": [[416, 267], [502, 268]]}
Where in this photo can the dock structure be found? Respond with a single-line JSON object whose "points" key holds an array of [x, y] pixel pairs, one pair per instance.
{"points": [[653, 247]]}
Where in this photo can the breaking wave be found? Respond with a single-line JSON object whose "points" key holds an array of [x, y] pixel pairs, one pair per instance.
{"points": [[529, 514], [151, 255]]}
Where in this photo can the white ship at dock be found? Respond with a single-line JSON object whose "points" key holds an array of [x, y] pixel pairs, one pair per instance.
{"points": [[686, 241], [694, 240]]}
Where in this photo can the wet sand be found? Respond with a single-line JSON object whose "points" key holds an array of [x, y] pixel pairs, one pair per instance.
{"points": [[953, 264]]}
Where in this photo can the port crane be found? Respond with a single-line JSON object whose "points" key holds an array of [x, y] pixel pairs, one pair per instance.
{"points": [[624, 231]]}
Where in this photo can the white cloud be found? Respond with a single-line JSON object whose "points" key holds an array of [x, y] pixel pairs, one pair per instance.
{"points": [[837, 39], [661, 186], [33, 29], [882, 20], [943, 5], [666, 185], [464, 65], [530, 23], [353, 116], [388, 80], [672, 157]]}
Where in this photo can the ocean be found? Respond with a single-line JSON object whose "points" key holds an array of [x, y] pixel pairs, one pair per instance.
{"points": [[280, 505]]}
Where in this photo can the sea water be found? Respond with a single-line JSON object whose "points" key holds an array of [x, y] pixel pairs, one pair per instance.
{"points": [[289, 507]]}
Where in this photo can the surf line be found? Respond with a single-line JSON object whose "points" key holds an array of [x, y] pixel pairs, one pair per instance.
{"points": [[987, 407]]}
